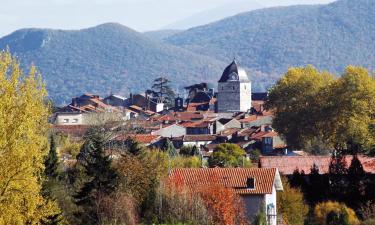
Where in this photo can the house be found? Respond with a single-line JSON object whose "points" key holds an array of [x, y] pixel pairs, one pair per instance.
{"points": [[115, 100], [145, 102], [255, 120], [193, 140], [257, 186], [200, 127], [288, 164], [226, 123], [172, 130], [268, 140], [68, 118]]}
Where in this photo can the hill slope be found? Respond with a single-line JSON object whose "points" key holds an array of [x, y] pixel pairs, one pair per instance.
{"points": [[109, 57], [271, 40]]}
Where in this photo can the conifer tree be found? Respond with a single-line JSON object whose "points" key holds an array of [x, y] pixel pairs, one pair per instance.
{"points": [[101, 177], [51, 161], [170, 149], [337, 172]]}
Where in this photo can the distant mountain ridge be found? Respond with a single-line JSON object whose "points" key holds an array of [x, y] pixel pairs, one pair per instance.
{"points": [[114, 58], [107, 58], [271, 40]]}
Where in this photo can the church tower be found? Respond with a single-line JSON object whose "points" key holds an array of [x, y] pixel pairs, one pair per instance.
{"points": [[234, 90]]}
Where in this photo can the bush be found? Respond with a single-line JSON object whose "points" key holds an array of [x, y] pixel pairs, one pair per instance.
{"points": [[292, 205], [322, 210], [368, 222]]}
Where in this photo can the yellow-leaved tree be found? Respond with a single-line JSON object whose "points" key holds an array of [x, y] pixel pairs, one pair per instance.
{"points": [[23, 141]]}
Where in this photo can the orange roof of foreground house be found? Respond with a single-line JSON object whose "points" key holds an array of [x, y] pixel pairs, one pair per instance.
{"points": [[235, 178], [288, 164]]}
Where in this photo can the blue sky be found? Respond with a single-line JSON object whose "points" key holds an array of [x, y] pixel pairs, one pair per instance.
{"points": [[142, 15]]}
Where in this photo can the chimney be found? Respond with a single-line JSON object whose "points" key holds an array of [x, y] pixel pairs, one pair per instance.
{"points": [[250, 183]]}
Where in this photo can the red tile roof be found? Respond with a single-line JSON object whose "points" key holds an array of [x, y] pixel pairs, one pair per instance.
{"points": [[74, 130], [140, 138], [288, 164], [229, 177], [199, 137], [200, 124]]}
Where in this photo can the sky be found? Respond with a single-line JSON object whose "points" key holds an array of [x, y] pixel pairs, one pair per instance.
{"points": [[141, 15]]}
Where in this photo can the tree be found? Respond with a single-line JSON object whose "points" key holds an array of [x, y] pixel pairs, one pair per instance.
{"points": [[296, 101], [336, 174], [224, 205], [322, 210], [51, 162], [227, 155], [132, 146], [313, 110], [23, 129], [350, 112], [291, 205], [176, 203], [170, 149], [356, 183], [161, 89], [101, 176], [316, 190], [337, 218]]}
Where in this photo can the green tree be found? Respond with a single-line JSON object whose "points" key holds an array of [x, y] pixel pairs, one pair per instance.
{"points": [[312, 110], [170, 149], [296, 101], [350, 111], [132, 146], [292, 205], [51, 162], [228, 155], [102, 178], [23, 133], [161, 89]]}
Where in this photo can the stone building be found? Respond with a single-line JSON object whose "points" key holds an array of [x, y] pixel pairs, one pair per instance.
{"points": [[234, 90]]}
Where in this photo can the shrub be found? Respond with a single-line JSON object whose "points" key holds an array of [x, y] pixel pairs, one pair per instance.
{"points": [[322, 210]]}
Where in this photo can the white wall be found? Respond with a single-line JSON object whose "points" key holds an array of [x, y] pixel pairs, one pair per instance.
{"points": [[196, 143], [270, 199], [69, 119]]}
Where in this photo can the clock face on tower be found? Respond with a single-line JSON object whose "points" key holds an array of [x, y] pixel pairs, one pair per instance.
{"points": [[233, 76]]}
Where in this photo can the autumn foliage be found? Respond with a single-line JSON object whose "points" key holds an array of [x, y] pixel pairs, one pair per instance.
{"points": [[222, 204]]}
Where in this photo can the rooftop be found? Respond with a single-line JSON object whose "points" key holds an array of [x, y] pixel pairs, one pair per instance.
{"points": [[235, 178]]}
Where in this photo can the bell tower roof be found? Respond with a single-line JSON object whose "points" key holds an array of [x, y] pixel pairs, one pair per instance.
{"points": [[234, 72]]}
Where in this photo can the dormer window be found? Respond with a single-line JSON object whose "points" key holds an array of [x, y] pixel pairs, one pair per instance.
{"points": [[250, 183]]}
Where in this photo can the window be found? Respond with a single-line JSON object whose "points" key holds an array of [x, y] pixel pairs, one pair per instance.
{"points": [[233, 87], [245, 86], [75, 121], [66, 120]]}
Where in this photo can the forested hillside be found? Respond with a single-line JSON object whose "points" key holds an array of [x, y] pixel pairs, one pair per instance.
{"points": [[106, 58], [271, 40]]}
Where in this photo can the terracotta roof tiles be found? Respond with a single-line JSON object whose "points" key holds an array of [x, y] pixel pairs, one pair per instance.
{"points": [[229, 177]]}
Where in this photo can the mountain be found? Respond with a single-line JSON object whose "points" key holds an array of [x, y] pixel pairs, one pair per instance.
{"points": [[106, 58], [271, 40], [218, 13], [160, 35]]}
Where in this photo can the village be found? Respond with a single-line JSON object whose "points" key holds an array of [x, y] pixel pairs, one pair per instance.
{"points": [[198, 124]]}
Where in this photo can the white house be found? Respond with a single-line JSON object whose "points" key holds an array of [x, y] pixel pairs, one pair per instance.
{"points": [[69, 118], [257, 186]]}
